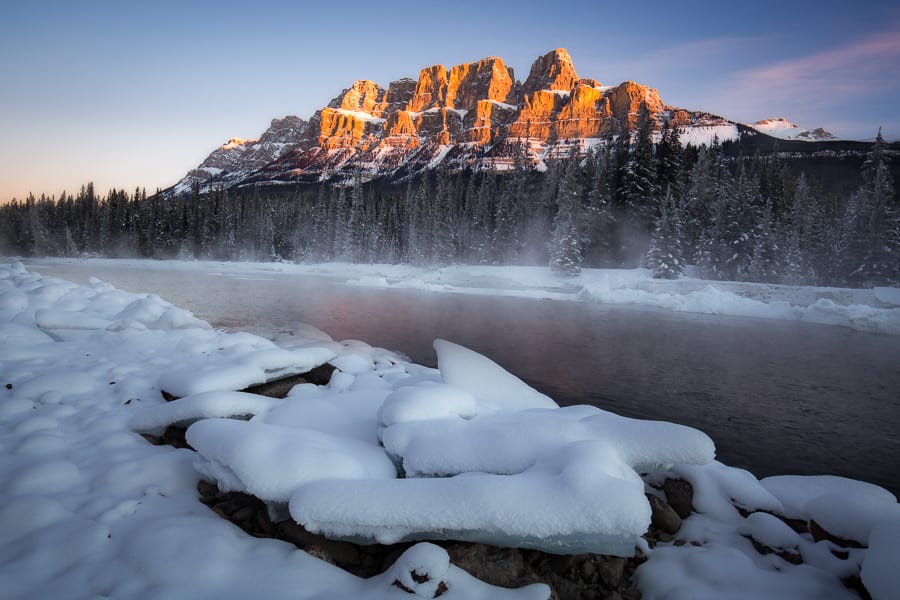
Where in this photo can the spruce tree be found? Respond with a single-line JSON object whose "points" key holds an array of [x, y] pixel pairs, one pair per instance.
{"points": [[666, 254], [566, 245], [871, 239]]}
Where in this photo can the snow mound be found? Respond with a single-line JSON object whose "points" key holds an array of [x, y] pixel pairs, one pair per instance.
{"points": [[487, 381], [879, 571], [270, 462], [243, 367], [477, 436], [207, 405]]}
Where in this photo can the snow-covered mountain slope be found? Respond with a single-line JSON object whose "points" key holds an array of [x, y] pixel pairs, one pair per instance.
{"points": [[472, 115], [781, 128]]}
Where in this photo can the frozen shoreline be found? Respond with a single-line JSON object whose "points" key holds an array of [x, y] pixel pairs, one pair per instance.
{"points": [[90, 508], [874, 310]]}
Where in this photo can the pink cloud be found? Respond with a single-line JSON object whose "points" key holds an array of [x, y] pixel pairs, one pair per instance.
{"points": [[868, 65]]}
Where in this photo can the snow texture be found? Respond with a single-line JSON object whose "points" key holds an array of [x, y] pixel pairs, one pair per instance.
{"points": [[89, 509]]}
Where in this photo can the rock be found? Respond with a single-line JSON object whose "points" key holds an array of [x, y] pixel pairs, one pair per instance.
{"points": [[819, 533], [663, 517], [680, 496], [611, 572], [552, 71], [498, 566]]}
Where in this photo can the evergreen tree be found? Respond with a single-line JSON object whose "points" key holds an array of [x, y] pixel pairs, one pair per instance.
{"points": [[768, 261], [666, 254], [566, 244], [871, 240]]}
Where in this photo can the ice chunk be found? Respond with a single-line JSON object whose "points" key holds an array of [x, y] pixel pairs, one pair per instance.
{"points": [[200, 406], [67, 319], [270, 462], [425, 401], [507, 443], [578, 500], [487, 381]]}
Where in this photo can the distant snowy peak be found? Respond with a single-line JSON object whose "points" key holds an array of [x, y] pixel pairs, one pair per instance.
{"points": [[238, 158], [473, 115], [780, 127]]}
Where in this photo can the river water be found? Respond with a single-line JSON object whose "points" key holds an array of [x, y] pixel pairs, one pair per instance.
{"points": [[776, 397]]}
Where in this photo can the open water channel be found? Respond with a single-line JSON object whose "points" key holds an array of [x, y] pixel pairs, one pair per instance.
{"points": [[776, 397]]}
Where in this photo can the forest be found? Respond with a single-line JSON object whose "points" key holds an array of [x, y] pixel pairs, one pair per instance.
{"points": [[628, 203]]}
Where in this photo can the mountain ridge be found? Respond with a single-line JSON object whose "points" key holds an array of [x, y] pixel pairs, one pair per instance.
{"points": [[472, 115]]}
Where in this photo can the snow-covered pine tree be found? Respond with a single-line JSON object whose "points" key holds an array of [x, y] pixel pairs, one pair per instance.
{"points": [[726, 247], [444, 232], [566, 244], [666, 254], [871, 239], [767, 263]]}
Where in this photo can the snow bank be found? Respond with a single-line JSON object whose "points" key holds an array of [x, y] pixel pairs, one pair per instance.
{"points": [[271, 462], [89, 509], [481, 435], [876, 310]]}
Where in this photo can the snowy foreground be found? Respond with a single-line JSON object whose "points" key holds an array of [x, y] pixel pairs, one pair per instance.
{"points": [[872, 310], [387, 451]]}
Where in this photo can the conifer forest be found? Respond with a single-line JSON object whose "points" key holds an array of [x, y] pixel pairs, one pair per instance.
{"points": [[627, 203]]}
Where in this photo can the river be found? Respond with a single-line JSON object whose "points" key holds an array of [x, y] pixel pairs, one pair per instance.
{"points": [[776, 397]]}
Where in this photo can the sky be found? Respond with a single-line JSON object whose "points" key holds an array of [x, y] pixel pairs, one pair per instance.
{"points": [[135, 94]]}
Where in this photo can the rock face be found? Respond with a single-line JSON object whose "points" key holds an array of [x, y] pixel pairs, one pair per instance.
{"points": [[478, 109]]}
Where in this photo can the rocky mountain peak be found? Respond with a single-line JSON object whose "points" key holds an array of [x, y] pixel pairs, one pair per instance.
{"points": [[552, 71], [363, 96], [471, 115]]}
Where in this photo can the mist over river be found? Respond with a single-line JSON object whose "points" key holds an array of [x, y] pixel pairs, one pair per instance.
{"points": [[777, 397]]}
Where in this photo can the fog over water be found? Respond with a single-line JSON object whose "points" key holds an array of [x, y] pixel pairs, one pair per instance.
{"points": [[776, 397]]}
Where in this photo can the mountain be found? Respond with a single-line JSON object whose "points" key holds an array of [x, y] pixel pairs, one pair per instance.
{"points": [[471, 115], [781, 128]]}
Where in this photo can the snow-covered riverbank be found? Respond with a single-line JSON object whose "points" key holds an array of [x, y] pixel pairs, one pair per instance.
{"points": [[88, 508], [874, 310]]}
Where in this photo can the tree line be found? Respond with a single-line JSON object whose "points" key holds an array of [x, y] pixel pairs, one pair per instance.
{"points": [[633, 201]]}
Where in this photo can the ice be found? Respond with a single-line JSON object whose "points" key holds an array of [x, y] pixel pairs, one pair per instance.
{"points": [[592, 511], [488, 382], [270, 462], [580, 460], [424, 401], [510, 443]]}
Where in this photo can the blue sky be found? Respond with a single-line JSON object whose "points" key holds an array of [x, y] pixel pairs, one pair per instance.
{"points": [[130, 94]]}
